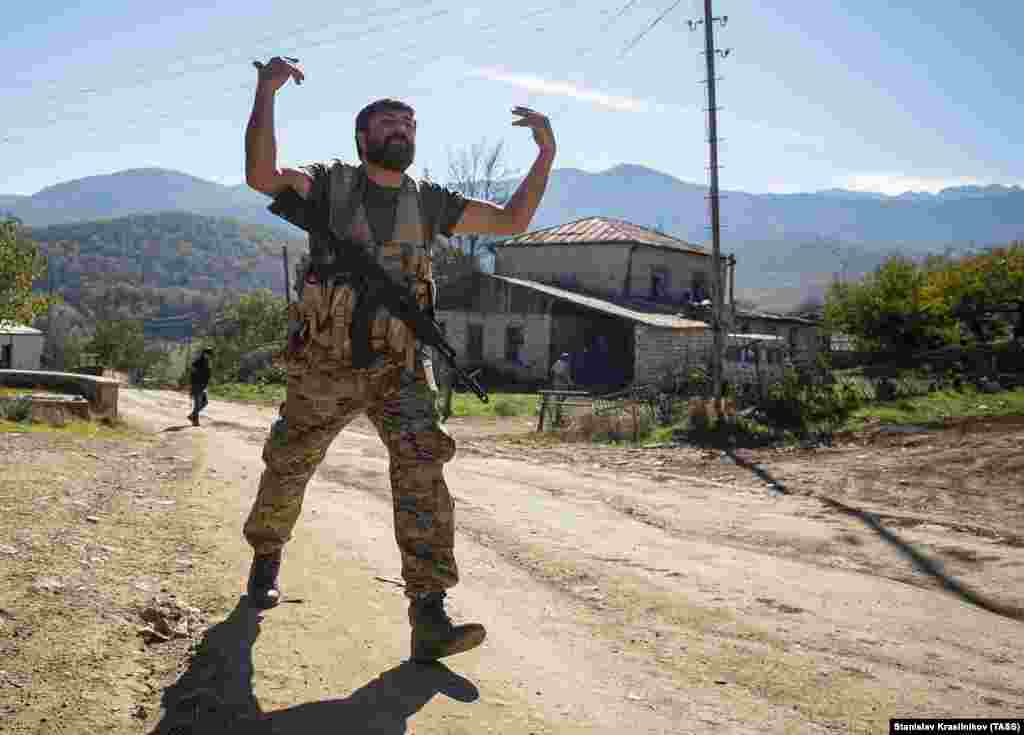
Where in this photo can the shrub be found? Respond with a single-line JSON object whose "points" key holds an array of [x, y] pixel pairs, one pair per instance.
{"points": [[272, 375], [792, 404], [504, 408], [19, 409]]}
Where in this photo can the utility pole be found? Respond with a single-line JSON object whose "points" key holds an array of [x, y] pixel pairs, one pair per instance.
{"points": [[287, 290], [717, 321]]}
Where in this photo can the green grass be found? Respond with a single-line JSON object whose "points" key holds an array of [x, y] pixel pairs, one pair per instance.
{"points": [[500, 404], [86, 429], [935, 408], [463, 404], [248, 393]]}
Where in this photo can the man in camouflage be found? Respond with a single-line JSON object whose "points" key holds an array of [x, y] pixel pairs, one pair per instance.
{"points": [[378, 206]]}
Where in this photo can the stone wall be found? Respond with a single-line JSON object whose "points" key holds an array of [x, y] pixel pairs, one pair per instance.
{"points": [[534, 352], [660, 350], [100, 392]]}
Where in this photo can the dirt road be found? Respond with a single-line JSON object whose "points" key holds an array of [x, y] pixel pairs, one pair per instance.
{"points": [[682, 599]]}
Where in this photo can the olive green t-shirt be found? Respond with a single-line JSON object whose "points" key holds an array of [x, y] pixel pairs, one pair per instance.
{"points": [[442, 206]]}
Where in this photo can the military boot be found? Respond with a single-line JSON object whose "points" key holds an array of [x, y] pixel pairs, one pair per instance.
{"points": [[433, 635], [263, 590]]}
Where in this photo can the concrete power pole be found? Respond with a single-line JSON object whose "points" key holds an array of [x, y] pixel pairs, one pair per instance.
{"points": [[287, 285], [717, 320]]}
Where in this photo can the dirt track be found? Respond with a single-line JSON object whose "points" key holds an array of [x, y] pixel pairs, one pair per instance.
{"points": [[679, 598], [648, 591]]}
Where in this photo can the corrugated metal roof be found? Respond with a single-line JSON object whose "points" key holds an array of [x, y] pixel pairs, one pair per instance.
{"points": [[741, 314], [668, 321], [11, 328], [756, 337], [598, 230]]}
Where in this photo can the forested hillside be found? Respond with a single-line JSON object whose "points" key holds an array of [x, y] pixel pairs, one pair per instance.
{"points": [[161, 264]]}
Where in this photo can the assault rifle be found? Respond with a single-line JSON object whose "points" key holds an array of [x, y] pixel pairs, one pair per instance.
{"points": [[376, 288]]}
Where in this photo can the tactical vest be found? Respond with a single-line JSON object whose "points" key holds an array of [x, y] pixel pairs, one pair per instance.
{"points": [[326, 308]]}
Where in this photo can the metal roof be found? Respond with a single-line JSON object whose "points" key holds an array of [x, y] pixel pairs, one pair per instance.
{"points": [[666, 321], [11, 328], [602, 230], [741, 314]]}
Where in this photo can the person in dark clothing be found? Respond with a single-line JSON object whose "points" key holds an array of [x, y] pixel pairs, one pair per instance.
{"points": [[200, 380]]}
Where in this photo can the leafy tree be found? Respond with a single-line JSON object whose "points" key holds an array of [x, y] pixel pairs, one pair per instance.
{"points": [[122, 346], [886, 311], [20, 265], [967, 287], [258, 319]]}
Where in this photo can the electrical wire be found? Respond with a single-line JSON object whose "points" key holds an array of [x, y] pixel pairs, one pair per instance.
{"points": [[340, 38], [647, 30], [272, 37], [390, 54]]}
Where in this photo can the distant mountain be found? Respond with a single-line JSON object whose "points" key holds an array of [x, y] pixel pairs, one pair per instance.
{"points": [[785, 243], [138, 191], [791, 244], [917, 222]]}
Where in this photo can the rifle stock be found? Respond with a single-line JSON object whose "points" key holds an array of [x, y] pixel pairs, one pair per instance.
{"points": [[291, 207]]}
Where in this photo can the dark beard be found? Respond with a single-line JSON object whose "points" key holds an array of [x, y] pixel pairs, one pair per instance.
{"points": [[394, 154]]}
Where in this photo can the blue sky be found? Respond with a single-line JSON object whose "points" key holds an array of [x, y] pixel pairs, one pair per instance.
{"points": [[864, 94]]}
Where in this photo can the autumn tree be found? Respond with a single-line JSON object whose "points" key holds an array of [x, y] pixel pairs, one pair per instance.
{"points": [[20, 265], [968, 287]]}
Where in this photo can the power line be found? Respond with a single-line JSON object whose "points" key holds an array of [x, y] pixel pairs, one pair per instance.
{"points": [[647, 30], [140, 82], [297, 30], [361, 62], [584, 50]]}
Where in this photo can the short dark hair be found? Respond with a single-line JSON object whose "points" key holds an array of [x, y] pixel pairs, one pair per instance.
{"points": [[383, 105]]}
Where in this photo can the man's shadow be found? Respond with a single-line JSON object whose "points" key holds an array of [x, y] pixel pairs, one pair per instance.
{"points": [[215, 695]]}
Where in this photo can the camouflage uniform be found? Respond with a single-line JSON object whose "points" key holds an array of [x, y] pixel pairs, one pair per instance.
{"points": [[397, 393]]}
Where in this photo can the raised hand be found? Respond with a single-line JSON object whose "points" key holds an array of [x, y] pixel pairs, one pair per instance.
{"points": [[278, 71], [543, 135]]}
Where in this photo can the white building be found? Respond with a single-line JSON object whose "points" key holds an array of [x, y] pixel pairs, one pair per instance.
{"points": [[20, 347]]}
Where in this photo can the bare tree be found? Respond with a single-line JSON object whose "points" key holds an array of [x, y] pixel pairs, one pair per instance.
{"points": [[480, 172]]}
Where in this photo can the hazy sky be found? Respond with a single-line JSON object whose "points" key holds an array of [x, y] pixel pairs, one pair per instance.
{"points": [[866, 94]]}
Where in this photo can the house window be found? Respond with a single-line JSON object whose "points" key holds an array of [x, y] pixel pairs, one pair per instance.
{"points": [[659, 284], [700, 286], [5, 357], [513, 343], [475, 348]]}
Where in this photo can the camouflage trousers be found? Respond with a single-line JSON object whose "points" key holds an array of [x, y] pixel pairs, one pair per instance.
{"points": [[320, 401]]}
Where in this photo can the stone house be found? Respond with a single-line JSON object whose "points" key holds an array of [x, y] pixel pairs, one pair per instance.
{"points": [[21, 347], [627, 303], [799, 339]]}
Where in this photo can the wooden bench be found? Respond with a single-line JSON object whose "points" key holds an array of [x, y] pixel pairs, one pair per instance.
{"points": [[100, 392]]}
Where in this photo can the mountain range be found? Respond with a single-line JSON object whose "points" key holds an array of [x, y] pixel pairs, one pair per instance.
{"points": [[788, 246]]}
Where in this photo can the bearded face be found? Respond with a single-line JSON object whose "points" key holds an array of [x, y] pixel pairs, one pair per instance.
{"points": [[390, 143]]}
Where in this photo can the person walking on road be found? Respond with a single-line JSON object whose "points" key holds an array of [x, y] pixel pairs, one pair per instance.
{"points": [[200, 380], [376, 205]]}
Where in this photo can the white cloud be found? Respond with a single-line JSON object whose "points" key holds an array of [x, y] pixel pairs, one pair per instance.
{"points": [[893, 184], [562, 89]]}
